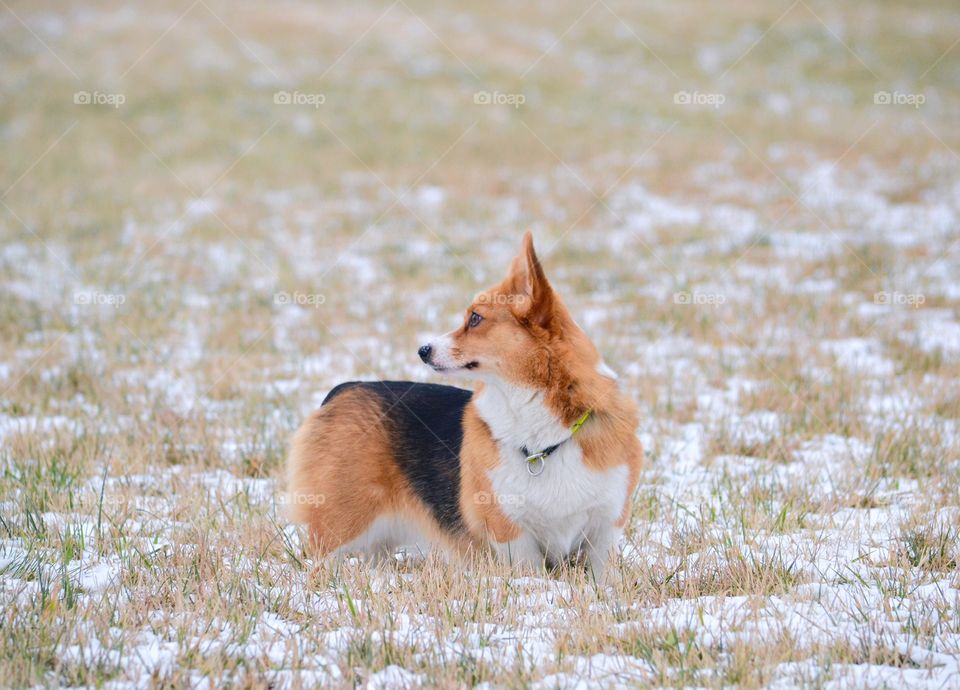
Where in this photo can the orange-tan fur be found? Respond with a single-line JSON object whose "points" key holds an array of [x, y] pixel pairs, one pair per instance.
{"points": [[341, 476]]}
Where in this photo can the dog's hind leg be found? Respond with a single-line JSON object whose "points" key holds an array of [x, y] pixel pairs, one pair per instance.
{"points": [[341, 476]]}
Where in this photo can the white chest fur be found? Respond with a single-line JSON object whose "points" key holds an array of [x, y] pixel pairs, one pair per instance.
{"points": [[518, 417], [568, 503]]}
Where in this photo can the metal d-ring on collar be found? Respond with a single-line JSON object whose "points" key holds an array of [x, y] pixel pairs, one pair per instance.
{"points": [[536, 461]]}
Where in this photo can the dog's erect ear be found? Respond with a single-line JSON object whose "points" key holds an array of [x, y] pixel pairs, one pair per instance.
{"points": [[527, 279]]}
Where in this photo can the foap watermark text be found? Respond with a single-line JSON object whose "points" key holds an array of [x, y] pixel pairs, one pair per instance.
{"points": [[710, 299], [900, 299], [314, 100], [515, 100], [914, 100], [699, 98], [114, 100], [99, 299], [300, 299]]}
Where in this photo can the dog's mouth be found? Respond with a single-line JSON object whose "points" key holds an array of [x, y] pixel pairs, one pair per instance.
{"points": [[469, 365]]}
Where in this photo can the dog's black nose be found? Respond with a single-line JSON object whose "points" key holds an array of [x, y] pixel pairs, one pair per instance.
{"points": [[424, 352]]}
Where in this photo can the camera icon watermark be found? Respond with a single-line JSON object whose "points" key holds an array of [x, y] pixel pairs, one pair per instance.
{"points": [[710, 299], [897, 98], [914, 300], [314, 100], [99, 299], [515, 100], [114, 100], [300, 299], [698, 98]]}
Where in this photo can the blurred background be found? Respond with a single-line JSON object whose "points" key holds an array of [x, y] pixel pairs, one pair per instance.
{"points": [[228, 207]]}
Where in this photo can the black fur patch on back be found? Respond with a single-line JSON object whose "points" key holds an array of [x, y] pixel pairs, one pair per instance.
{"points": [[425, 421]]}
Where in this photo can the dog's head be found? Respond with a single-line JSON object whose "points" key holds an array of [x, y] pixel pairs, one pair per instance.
{"points": [[519, 331]]}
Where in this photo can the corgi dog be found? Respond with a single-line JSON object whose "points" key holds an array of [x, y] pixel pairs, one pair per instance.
{"points": [[538, 463]]}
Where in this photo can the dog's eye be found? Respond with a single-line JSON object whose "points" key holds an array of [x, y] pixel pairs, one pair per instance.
{"points": [[475, 320]]}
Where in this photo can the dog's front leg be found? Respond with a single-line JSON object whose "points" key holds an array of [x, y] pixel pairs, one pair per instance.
{"points": [[599, 545], [523, 551]]}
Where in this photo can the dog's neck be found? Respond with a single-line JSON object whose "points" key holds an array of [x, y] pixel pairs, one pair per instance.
{"points": [[518, 416]]}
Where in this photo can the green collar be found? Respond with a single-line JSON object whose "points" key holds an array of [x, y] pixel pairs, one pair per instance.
{"points": [[535, 461]]}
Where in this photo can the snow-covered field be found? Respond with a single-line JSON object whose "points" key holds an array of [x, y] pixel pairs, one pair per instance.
{"points": [[211, 213]]}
